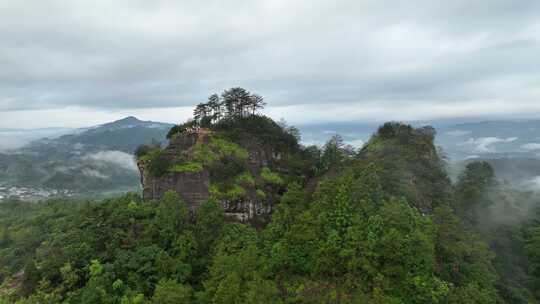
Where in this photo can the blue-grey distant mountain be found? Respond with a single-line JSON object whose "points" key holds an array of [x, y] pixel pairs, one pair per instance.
{"points": [[122, 135], [96, 160]]}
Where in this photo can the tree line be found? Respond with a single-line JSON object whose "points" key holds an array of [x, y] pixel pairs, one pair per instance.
{"points": [[234, 102]]}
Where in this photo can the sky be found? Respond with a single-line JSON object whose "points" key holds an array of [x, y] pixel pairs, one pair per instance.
{"points": [[79, 63]]}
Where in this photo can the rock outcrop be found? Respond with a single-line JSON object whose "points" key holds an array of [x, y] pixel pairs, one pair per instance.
{"points": [[203, 164], [191, 186]]}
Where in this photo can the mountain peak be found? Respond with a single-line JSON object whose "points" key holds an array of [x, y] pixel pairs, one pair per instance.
{"points": [[129, 119]]}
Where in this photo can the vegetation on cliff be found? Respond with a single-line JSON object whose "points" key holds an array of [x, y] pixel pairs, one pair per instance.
{"points": [[244, 158]]}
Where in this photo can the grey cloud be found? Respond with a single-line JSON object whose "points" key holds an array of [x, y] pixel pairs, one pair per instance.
{"points": [[457, 133], [531, 147], [486, 144], [141, 54]]}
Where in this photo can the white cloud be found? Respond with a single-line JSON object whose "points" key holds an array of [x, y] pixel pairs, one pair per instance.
{"points": [[532, 184], [531, 146], [357, 143], [118, 158], [14, 139], [93, 173], [486, 144]]}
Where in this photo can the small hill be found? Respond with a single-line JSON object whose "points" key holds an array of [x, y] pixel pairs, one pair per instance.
{"points": [[239, 158], [243, 163], [409, 163]]}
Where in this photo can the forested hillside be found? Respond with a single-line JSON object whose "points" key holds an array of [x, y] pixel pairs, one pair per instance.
{"points": [[89, 162], [380, 225]]}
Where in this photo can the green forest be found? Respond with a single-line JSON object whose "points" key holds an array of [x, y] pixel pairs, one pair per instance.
{"points": [[383, 224]]}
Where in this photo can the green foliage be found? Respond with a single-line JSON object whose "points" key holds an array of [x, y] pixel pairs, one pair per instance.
{"points": [[234, 102], [362, 236], [245, 179], [260, 194], [463, 258], [177, 129], [259, 129], [271, 177], [172, 216], [219, 150], [225, 148], [210, 222], [204, 154], [227, 191], [156, 161], [171, 292], [237, 273], [144, 149], [236, 192], [334, 155], [187, 167], [410, 165], [533, 252], [472, 191], [31, 278]]}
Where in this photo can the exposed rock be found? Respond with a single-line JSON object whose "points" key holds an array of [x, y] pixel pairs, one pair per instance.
{"points": [[191, 186], [194, 187]]}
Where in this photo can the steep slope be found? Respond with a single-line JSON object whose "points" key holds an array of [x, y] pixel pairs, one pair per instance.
{"points": [[409, 164]]}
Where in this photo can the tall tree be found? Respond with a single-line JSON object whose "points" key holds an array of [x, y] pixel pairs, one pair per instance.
{"points": [[235, 101], [214, 103], [257, 103]]}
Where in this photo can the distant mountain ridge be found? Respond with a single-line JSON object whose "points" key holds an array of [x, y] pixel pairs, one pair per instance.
{"points": [[95, 160], [124, 135]]}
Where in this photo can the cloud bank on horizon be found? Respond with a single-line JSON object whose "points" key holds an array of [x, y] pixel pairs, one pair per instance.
{"points": [[89, 61]]}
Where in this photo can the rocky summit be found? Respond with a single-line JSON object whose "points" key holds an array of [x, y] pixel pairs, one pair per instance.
{"points": [[238, 158]]}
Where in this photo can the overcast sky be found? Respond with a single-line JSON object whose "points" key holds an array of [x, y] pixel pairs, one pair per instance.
{"points": [[78, 63]]}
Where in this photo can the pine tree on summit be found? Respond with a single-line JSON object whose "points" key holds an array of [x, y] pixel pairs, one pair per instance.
{"points": [[215, 106], [234, 102], [257, 103]]}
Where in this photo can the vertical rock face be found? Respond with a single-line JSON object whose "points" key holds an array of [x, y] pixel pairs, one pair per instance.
{"points": [[191, 186]]}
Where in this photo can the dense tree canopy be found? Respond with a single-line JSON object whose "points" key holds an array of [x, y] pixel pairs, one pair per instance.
{"points": [[349, 233]]}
